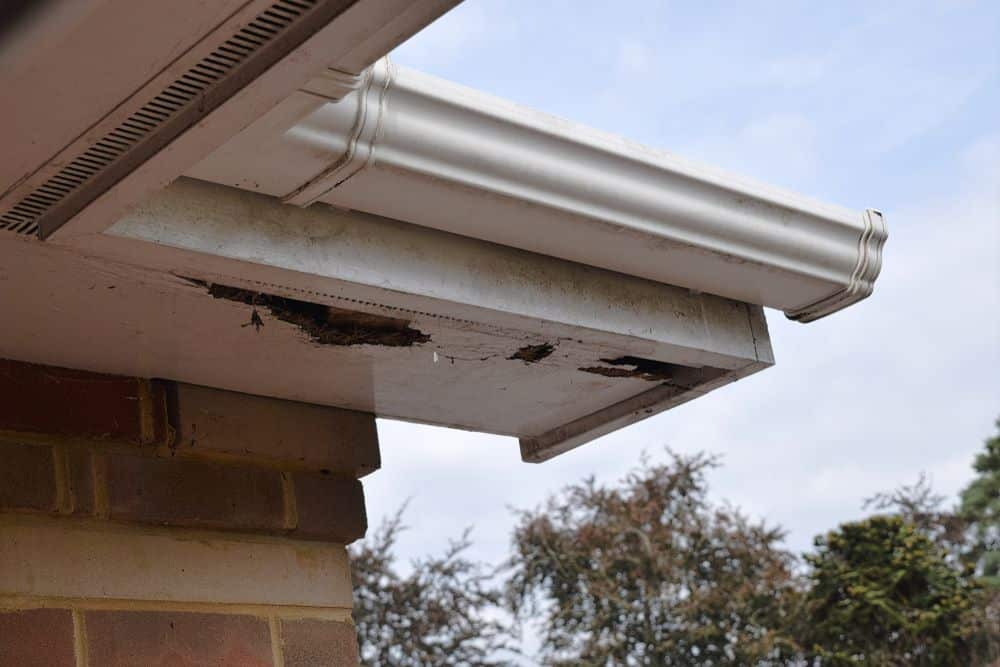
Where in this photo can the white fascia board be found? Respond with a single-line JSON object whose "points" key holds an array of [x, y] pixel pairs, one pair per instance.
{"points": [[423, 150], [252, 238]]}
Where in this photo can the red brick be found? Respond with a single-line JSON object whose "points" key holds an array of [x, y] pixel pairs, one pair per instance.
{"points": [[329, 508], [270, 430], [36, 638], [307, 643], [78, 404], [27, 477], [194, 493], [169, 639]]}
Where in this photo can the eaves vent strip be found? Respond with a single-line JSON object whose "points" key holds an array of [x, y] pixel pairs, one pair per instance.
{"points": [[234, 63]]}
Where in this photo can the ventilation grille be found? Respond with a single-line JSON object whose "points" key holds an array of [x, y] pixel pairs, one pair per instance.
{"points": [[188, 90]]}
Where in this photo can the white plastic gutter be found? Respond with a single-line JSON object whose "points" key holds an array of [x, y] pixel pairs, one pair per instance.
{"points": [[426, 151]]}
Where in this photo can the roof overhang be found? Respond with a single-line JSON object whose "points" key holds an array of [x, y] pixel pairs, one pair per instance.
{"points": [[370, 237], [215, 286]]}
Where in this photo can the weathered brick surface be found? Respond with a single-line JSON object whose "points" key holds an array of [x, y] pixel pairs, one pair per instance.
{"points": [[181, 492], [80, 405], [96, 446], [36, 638], [288, 433], [27, 477], [329, 508], [148, 489], [176, 639], [308, 643]]}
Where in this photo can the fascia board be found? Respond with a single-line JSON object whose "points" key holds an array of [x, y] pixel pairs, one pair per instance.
{"points": [[416, 148], [255, 238]]}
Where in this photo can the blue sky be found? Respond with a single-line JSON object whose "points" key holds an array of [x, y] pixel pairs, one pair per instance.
{"points": [[893, 106]]}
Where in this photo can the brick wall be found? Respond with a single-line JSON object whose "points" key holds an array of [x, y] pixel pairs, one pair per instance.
{"points": [[71, 636], [156, 523]]}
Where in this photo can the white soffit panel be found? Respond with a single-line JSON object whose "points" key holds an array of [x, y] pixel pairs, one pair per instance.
{"points": [[66, 65], [416, 148], [109, 110]]}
